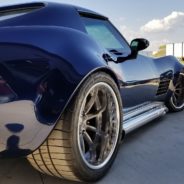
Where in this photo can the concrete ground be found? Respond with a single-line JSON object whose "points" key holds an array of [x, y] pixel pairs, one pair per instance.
{"points": [[153, 154]]}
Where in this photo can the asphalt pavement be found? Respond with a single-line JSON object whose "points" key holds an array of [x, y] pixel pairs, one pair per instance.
{"points": [[153, 154]]}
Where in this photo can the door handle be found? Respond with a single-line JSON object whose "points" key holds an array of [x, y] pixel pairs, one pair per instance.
{"points": [[108, 58]]}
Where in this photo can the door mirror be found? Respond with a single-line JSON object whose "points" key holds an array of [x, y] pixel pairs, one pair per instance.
{"points": [[136, 45], [139, 44]]}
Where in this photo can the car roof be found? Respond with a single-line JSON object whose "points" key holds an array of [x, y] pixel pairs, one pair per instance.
{"points": [[47, 14], [47, 3]]}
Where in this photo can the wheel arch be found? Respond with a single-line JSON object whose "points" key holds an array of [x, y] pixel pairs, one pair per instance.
{"points": [[106, 70]]}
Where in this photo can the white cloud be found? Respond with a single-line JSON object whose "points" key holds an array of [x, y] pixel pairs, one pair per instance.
{"points": [[174, 20], [128, 33], [158, 31]]}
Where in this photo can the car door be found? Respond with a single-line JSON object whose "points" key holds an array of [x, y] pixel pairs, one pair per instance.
{"points": [[138, 77]]}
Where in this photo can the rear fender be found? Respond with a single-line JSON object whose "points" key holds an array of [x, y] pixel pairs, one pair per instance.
{"points": [[42, 68]]}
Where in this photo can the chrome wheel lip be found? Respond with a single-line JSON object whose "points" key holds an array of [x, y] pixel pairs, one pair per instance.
{"points": [[176, 107], [96, 167]]}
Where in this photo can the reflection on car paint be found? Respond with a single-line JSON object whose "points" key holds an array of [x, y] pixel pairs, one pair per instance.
{"points": [[43, 62]]}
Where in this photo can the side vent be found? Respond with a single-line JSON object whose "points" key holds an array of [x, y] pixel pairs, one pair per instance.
{"points": [[163, 86]]}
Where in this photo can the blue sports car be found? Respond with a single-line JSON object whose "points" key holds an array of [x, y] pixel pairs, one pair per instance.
{"points": [[71, 87]]}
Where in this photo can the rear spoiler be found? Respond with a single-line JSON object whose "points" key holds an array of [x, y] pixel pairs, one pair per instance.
{"points": [[20, 8]]}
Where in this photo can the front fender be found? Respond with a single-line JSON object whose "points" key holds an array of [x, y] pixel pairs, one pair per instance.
{"points": [[169, 67], [41, 68], [168, 63]]}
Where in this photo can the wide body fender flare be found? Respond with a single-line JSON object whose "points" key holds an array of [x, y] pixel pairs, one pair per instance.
{"points": [[42, 68]]}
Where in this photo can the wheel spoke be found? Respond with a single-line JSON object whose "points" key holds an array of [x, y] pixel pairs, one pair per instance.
{"points": [[177, 91], [99, 122], [177, 84], [91, 128], [91, 116], [92, 148], [87, 138], [177, 94], [91, 102], [94, 115], [181, 88]]}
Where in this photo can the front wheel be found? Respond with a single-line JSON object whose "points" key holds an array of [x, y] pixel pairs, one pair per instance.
{"points": [[176, 102], [84, 143]]}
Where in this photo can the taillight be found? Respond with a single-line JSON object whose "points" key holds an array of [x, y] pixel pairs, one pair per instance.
{"points": [[6, 93]]}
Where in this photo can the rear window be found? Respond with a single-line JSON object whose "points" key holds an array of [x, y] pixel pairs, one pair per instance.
{"points": [[18, 10]]}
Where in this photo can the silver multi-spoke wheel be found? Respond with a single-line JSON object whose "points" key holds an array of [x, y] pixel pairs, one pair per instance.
{"points": [[177, 99], [85, 141], [99, 124]]}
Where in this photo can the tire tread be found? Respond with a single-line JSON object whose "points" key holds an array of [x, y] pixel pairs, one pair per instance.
{"points": [[56, 156]]}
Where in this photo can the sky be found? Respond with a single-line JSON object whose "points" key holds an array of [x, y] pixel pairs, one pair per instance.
{"points": [[159, 21]]}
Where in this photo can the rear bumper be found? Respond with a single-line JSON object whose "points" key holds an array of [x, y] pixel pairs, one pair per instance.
{"points": [[20, 131]]}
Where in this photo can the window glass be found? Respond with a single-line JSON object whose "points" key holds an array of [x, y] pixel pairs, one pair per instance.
{"points": [[105, 34]]}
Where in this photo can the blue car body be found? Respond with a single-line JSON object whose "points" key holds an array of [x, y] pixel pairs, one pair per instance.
{"points": [[45, 56]]}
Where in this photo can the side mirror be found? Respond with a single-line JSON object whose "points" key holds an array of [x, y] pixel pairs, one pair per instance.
{"points": [[138, 44]]}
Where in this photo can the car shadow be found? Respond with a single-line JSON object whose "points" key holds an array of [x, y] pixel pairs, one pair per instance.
{"points": [[130, 156]]}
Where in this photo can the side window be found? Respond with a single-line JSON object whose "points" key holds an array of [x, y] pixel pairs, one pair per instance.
{"points": [[105, 34]]}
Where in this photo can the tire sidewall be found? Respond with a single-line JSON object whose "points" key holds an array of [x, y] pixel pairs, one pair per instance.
{"points": [[172, 108]]}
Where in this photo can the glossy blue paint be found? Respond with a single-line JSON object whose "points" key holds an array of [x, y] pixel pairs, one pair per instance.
{"points": [[45, 55], [140, 78]]}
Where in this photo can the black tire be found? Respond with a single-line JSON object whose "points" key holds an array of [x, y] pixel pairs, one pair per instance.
{"points": [[176, 102], [60, 155]]}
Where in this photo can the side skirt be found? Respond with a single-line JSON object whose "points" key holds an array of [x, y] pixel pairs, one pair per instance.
{"points": [[142, 114]]}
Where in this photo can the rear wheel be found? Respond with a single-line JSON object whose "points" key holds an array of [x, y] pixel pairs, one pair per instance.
{"points": [[84, 143], [176, 102]]}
